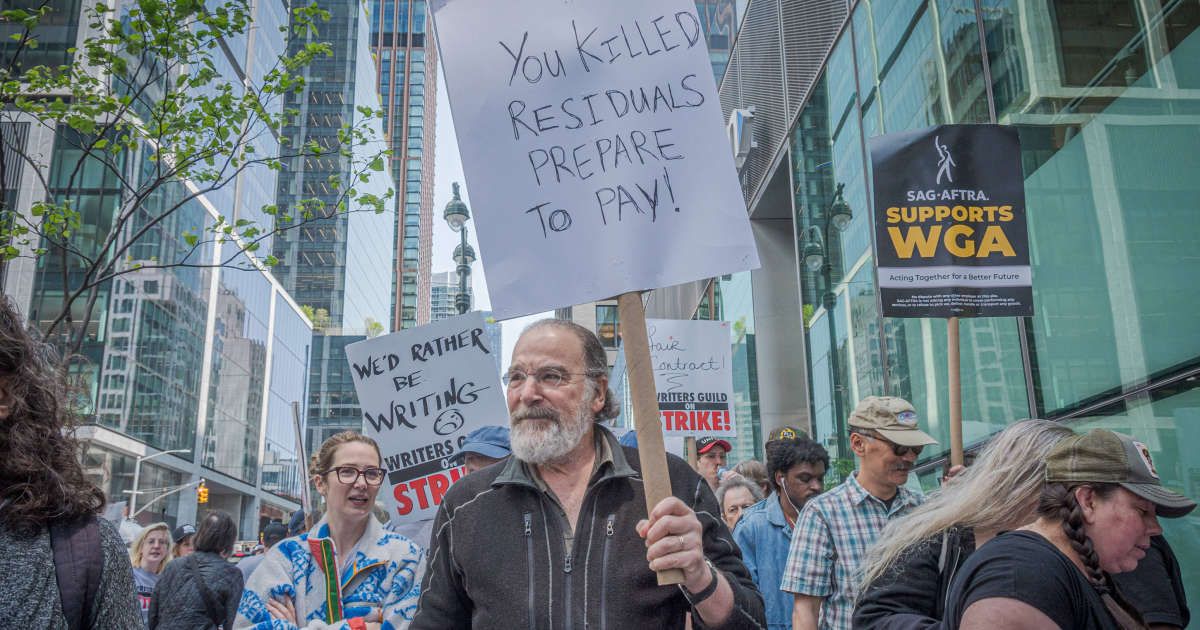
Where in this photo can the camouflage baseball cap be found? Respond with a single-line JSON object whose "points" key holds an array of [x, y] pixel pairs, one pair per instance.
{"points": [[786, 433], [893, 418], [1102, 456]]}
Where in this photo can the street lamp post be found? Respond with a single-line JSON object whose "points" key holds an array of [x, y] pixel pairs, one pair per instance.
{"points": [[818, 239], [137, 475], [456, 216]]}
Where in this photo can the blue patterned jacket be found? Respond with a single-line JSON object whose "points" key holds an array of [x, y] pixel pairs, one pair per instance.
{"points": [[380, 571]]}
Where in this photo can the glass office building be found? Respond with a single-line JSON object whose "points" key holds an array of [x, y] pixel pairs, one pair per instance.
{"points": [[1104, 96], [339, 268], [200, 360]]}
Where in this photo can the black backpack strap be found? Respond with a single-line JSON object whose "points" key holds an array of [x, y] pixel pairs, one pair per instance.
{"points": [[211, 607], [78, 563]]}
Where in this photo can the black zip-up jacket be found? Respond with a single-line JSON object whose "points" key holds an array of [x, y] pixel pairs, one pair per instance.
{"points": [[499, 559], [179, 601], [911, 595]]}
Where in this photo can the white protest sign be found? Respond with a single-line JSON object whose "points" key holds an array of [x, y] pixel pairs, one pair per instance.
{"points": [[422, 390], [693, 373], [592, 138]]}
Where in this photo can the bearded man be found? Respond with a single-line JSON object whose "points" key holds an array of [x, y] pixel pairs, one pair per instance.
{"points": [[558, 537]]}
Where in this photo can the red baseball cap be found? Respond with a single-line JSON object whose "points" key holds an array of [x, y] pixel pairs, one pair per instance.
{"points": [[705, 444]]}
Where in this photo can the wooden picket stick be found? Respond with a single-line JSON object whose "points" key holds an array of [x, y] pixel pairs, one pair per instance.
{"points": [[690, 444], [655, 477], [956, 438]]}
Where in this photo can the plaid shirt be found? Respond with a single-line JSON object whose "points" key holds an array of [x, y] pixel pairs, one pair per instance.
{"points": [[831, 538]]}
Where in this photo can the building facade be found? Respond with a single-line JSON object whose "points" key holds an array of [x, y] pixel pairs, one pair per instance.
{"points": [[407, 72], [1103, 97], [339, 268], [443, 291], [194, 366]]}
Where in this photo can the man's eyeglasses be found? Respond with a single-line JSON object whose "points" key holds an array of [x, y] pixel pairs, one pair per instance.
{"points": [[546, 377], [349, 475], [897, 449]]}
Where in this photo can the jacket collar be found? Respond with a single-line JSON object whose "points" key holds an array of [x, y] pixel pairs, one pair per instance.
{"points": [[775, 512], [517, 472], [364, 551]]}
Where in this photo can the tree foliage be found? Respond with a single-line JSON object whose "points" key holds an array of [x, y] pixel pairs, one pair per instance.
{"points": [[147, 102]]}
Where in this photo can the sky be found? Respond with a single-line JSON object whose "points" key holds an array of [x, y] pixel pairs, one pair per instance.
{"points": [[447, 170]]}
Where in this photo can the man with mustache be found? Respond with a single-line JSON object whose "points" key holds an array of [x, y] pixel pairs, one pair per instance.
{"points": [[835, 529], [557, 537]]}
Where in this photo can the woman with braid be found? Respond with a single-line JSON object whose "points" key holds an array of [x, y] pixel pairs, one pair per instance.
{"points": [[1096, 515]]}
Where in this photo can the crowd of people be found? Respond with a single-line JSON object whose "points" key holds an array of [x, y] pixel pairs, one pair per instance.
{"points": [[1048, 528]]}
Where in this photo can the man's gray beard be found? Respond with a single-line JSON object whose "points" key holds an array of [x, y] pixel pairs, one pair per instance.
{"points": [[549, 445]]}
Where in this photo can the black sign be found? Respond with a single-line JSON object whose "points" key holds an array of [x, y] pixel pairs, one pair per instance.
{"points": [[950, 231]]}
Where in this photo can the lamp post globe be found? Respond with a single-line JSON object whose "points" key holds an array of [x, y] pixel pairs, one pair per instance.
{"points": [[840, 213], [814, 252], [464, 255], [456, 212]]}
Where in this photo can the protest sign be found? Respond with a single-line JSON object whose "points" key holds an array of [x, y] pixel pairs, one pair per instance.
{"points": [[950, 230], [592, 139], [422, 390], [693, 375]]}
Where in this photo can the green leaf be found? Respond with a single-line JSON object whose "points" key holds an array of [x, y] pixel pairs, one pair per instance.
{"points": [[377, 164]]}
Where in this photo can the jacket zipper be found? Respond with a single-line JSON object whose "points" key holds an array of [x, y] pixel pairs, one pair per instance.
{"points": [[529, 557], [569, 594], [608, 536]]}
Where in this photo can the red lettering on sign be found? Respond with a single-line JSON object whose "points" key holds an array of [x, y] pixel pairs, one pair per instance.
{"points": [[401, 494], [426, 491], [438, 485]]}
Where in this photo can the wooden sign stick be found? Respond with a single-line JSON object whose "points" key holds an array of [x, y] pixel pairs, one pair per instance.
{"points": [[956, 438], [655, 477]]}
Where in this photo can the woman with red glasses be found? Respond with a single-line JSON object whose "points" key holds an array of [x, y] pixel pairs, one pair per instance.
{"points": [[347, 572]]}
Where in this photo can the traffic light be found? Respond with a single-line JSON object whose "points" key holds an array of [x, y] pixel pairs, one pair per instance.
{"points": [[202, 493]]}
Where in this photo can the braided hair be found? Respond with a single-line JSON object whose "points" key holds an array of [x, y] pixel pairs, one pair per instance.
{"points": [[1058, 502]]}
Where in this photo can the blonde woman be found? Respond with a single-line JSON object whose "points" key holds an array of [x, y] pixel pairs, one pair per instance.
{"points": [[907, 574], [148, 555]]}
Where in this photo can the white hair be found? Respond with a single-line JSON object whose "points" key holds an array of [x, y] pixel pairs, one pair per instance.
{"points": [[1000, 491]]}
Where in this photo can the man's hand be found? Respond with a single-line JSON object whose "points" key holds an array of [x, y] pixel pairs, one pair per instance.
{"points": [[674, 540], [952, 472], [282, 609]]}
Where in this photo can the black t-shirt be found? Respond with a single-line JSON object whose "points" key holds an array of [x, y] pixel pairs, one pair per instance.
{"points": [[1026, 567], [1155, 587]]}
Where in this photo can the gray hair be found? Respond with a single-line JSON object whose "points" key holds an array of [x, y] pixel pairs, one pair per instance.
{"points": [[737, 481], [1000, 491], [595, 361]]}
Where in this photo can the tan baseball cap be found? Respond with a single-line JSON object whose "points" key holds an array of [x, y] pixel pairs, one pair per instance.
{"points": [[893, 418]]}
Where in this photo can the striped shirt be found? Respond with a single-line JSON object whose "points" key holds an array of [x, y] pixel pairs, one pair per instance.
{"points": [[831, 539]]}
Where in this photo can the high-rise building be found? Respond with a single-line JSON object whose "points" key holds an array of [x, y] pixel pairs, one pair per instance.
{"points": [[195, 367], [443, 292], [338, 268], [407, 79]]}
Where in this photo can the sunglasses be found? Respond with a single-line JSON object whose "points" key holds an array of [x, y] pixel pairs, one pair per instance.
{"points": [[897, 449]]}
